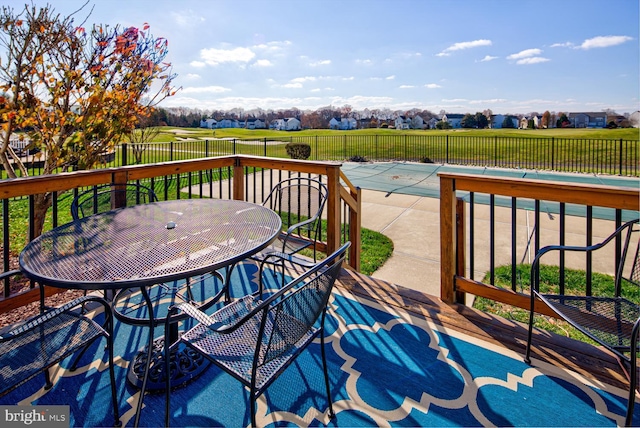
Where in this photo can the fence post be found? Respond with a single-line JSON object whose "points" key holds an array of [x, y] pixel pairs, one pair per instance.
{"points": [[265, 147], [206, 148], [124, 154], [344, 147], [495, 150], [553, 153], [620, 157], [171, 150], [405, 147], [376, 147], [447, 148]]}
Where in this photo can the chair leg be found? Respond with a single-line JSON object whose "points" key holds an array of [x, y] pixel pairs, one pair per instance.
{"points": [[253, 404], [47, 379], [527, 356], [633, 375], [326, 376], [112, 378]]}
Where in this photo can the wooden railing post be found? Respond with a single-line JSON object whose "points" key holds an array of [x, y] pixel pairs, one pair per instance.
{"points": [[447, 239], [333, 209], [238, 181], [355, 223], [118, 181], [461, 247]]}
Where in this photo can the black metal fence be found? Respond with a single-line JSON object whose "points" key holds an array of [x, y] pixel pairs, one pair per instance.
{"points": [[600, 156]]}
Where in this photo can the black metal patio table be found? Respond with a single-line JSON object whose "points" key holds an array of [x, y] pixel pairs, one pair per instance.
{"points": [[143, 245]]}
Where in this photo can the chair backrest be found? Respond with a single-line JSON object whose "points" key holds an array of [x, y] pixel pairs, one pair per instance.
{"points": [[299, 200], [107, 197], [293, 311]]}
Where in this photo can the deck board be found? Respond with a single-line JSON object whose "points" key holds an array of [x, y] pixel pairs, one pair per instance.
{"points": [[592, 362]]}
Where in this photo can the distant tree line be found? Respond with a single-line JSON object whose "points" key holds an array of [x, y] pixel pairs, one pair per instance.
{"points": [[187, 117]]}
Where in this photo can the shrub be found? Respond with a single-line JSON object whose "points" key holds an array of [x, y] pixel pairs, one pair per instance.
{"points": [[357, 158], [298, 150]]}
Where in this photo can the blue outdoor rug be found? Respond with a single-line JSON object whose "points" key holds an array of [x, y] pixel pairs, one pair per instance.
{"points": [[387, 368]]}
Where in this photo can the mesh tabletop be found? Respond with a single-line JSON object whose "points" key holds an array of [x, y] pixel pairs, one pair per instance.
{"points": [[150, 243]]}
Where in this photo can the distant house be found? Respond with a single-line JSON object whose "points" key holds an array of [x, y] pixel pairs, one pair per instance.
{"points": [[454, 120], [537, 121], [417, 122], [288, 124], [616, 119], [343, 123], [432, 122], [366, 123], [228, 123], [403, 122], [588, 120], [497, 120], [209, 123], [523, 123], [253, 123]]}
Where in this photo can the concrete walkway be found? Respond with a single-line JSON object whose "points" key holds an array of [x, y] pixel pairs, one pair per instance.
{"points": [[413, 224]]}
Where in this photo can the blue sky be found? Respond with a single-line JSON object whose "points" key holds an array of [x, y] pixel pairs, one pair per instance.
{"points": [[461, 56]]}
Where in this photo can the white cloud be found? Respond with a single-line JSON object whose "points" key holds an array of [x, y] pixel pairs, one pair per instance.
{"points": [[534, 60], [186, 18], [464, 45], [273, 46], [390, 77], [197, 64], [192, 76], [604, 41], [319, 63], [406, 86], [204, 89], [525, 54], [292, 85], [304, 79], [432, 86], [364, 62], [488, 58], [213, 56], [491, 101], [262, 63], [562, 45]]}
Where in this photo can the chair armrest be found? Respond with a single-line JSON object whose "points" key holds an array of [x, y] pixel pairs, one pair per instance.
{"points": [[225, 320], [269, 256], [29, 324]]}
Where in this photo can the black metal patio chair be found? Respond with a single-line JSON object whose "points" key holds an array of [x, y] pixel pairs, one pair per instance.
{"points": [[255, 339], [610, 320], [106, 197], [300, 202], [33, 346]]}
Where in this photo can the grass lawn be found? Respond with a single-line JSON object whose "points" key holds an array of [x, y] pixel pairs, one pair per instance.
{"points": [[171, 134]]}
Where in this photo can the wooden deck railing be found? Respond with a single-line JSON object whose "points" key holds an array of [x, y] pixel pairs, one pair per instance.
{"points": [[236, 177], [577, 206]]}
